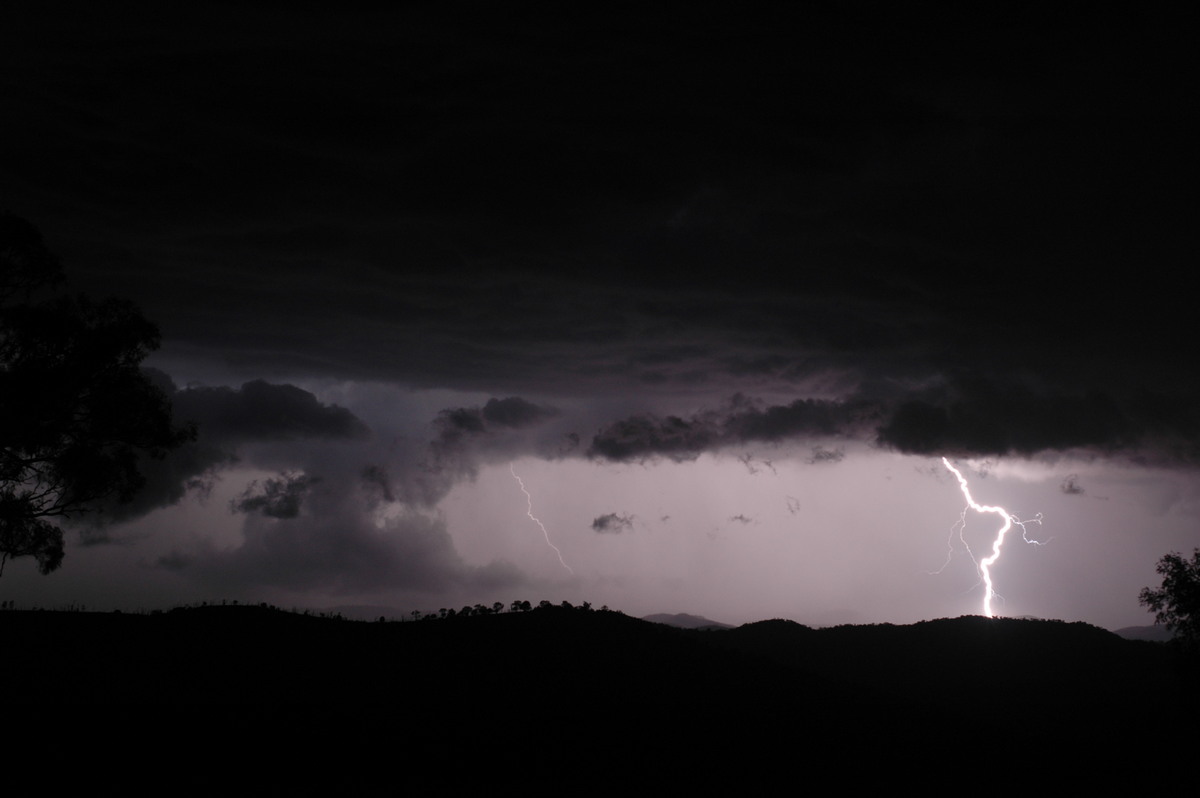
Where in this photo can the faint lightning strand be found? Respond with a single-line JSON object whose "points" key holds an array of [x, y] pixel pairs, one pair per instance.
{"points": [[957, 531], [984, 566], [529, 512]]}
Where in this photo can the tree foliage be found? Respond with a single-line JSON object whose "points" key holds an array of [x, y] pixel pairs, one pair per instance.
{"points": [[1176, 604], [76, 410]]}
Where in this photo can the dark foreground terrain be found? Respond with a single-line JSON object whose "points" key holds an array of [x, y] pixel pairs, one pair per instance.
{"points": [[571, 701]]}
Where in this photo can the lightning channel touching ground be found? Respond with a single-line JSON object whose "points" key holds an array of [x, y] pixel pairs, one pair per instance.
{"points": [[529, 512], [984, 566]]}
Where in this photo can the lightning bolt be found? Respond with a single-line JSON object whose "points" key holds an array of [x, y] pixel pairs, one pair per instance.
{"points": [[985, 565], [529, 512]]}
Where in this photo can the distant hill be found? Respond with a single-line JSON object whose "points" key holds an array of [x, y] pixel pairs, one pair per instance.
{"points": [[685, 621], [1156, 633]]}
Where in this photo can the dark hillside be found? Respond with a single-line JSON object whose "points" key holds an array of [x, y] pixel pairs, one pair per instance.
{"points": [[1004, 675], [531, 698]]}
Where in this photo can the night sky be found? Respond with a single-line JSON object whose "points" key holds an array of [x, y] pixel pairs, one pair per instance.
{"points": [[720, 285]]}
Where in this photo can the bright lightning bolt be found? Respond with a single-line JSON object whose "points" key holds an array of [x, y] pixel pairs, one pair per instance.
{"points": [[529, 512], [985, 565]]}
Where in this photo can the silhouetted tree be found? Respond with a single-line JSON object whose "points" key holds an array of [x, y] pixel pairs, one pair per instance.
{"points": [[76, 410], [1177, 603]]}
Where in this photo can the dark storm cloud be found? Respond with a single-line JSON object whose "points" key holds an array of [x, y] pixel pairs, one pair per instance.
{"points": [[515, 412], [612, 522], [412, 471], [746, 197], [279, 497], [805, 417], [985, 417], [1070, 485], [227, 420], [499, 429], [740, 421], [968, 415], [457, 426], [639, 437], [260, 411], [496, 415], [193, 468], [377, 477], [609, 204]]}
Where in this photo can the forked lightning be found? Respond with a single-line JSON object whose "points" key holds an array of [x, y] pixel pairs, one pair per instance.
{"points": [[985, 565]]}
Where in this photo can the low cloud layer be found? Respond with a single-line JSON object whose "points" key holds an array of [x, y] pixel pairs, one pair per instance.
{"points": [[261, 411], [965, 416], [612, 523], [500, 429], [354, 518], [226, 421]]}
